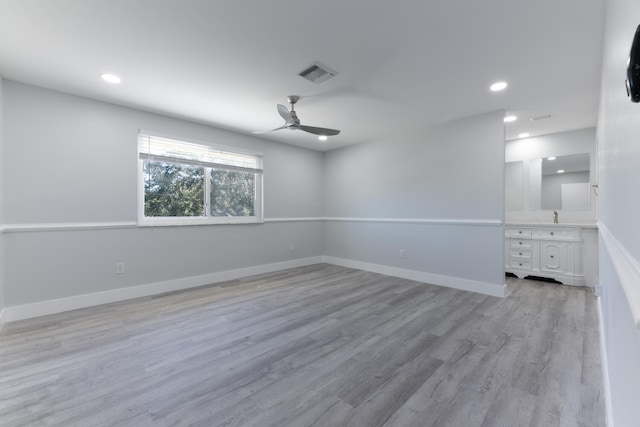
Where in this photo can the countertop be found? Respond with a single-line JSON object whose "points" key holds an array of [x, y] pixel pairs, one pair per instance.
{"points": [[550, 224]]}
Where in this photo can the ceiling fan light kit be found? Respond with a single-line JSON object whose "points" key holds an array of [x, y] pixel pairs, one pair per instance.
{"points": [[292, 122]]}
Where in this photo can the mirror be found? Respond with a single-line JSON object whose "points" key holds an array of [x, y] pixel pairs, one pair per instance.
{"points": [[514, 186], [561, 183]]}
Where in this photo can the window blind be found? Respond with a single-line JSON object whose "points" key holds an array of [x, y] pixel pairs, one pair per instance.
{"points": [[167, 150]]}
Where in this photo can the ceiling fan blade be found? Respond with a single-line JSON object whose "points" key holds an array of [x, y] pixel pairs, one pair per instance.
{"points": [[285, 114], [319, 131], [270, 130]]}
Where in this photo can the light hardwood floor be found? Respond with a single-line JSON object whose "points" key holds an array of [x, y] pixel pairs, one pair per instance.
{"points": [[314, 346]]}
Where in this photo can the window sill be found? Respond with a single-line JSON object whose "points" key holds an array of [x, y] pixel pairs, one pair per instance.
{"points": [[178, 222]]}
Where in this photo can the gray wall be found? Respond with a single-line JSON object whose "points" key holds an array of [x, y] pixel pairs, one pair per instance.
{"points": [[440, 179], [71, 202], [619, 160], [72, 160], [1, 201]]}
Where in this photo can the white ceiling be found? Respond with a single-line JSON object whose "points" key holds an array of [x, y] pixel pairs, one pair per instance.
{"points": [[569, 164], [402, 65]]}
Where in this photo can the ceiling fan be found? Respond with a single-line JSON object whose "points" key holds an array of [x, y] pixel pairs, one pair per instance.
{"points": [[292, 122]]}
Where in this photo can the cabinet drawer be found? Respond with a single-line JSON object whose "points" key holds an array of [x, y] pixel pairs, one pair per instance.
{"points": [[518, 232], [520, 243], [556, 233], [521, 253], [521, 264]]}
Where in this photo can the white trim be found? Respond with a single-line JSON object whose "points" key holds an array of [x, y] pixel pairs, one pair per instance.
{"points": [[421, 276], [68, 226], [74, 226], [191, 221], [307, 219], [3, 315], [627, 269], [42, 308], [604, 362], [439, 221]]}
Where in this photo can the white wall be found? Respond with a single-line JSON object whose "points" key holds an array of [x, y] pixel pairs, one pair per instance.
{"points": [[552, 191], [437, 195], [72, 161], [559, 144], [514, 186], [619, 175]]}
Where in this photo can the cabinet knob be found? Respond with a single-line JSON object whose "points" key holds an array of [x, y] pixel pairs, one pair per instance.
{"points": [[520, 253], [520, 264], [519, 232], [551, 233], [519, 243], [551, 256]]}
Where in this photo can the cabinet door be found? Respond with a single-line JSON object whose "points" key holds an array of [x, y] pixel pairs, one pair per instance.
{"points": [[553, 256]]}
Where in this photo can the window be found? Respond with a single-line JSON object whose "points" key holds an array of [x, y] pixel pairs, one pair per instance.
{"points": [[187, 183]]}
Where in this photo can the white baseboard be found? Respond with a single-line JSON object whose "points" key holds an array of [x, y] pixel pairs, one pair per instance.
{"points": [[421, 276], [42, 308], [606, 385]]}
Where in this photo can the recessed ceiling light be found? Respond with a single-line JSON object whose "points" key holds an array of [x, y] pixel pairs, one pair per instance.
{"points": [[322, 137], [110, 78], [523, 135], [561, 171], [510, 119], [551, 158], [498, 86]]}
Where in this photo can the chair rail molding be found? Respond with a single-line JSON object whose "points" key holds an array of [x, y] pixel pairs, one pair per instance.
{"points": [[627, 269], [73, 226]]}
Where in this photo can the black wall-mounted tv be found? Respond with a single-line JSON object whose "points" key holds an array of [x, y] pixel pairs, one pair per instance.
{"points": [[633, 69]]}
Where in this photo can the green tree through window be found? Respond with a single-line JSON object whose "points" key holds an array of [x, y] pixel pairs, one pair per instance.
{"points": [[173, 190], [184, 183], [232, 193]]}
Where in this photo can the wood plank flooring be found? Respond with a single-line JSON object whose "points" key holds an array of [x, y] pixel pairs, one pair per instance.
{"points": [[313, 346]]}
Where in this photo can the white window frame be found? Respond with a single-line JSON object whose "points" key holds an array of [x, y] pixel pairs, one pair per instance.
{"points": [[257, 218]]}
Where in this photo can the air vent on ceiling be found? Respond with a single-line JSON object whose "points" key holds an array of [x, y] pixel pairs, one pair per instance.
{"points": [[546, 116], [317, 73]]}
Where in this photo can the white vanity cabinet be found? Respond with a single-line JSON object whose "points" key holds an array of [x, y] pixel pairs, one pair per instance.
{"points": [[550, 252]]}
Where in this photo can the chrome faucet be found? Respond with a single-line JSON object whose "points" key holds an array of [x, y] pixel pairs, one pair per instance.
{"points": [[555, 217]]}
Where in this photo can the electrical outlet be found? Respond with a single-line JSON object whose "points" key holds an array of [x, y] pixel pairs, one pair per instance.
{"points": [[292, 247], [597, 290], [402, 253], [120, 268]]}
